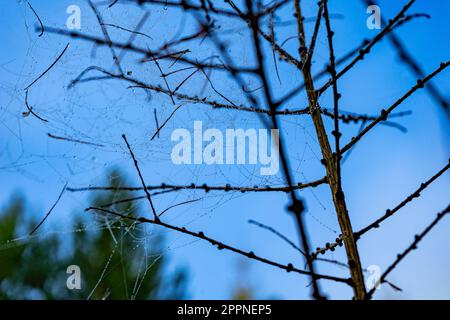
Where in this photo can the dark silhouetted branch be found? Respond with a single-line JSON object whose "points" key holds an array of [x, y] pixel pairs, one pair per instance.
{"points": [[390, 212], [330, 164], [385, 113], [413, 246], [222, 246], [207, 188]]}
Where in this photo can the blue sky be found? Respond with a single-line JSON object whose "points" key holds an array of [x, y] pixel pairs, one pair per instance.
{"points": [[382, 170]]}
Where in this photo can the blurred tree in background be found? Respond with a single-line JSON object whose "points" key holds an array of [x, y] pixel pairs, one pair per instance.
{"points": [[118, 260]]}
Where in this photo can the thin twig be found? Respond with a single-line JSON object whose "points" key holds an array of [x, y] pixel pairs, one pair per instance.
{"points": [[164, 123], [39, 20], [30, 109], [109, 204], [156, 122], [112, 3], [49, 211], [48, 69], [278, 234], [74, 140], [127, 30], [140, 177], [176, 205], [413, 246]]}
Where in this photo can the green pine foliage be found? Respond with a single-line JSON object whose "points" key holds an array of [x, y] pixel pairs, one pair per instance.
{"points": [[117, 259]]}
